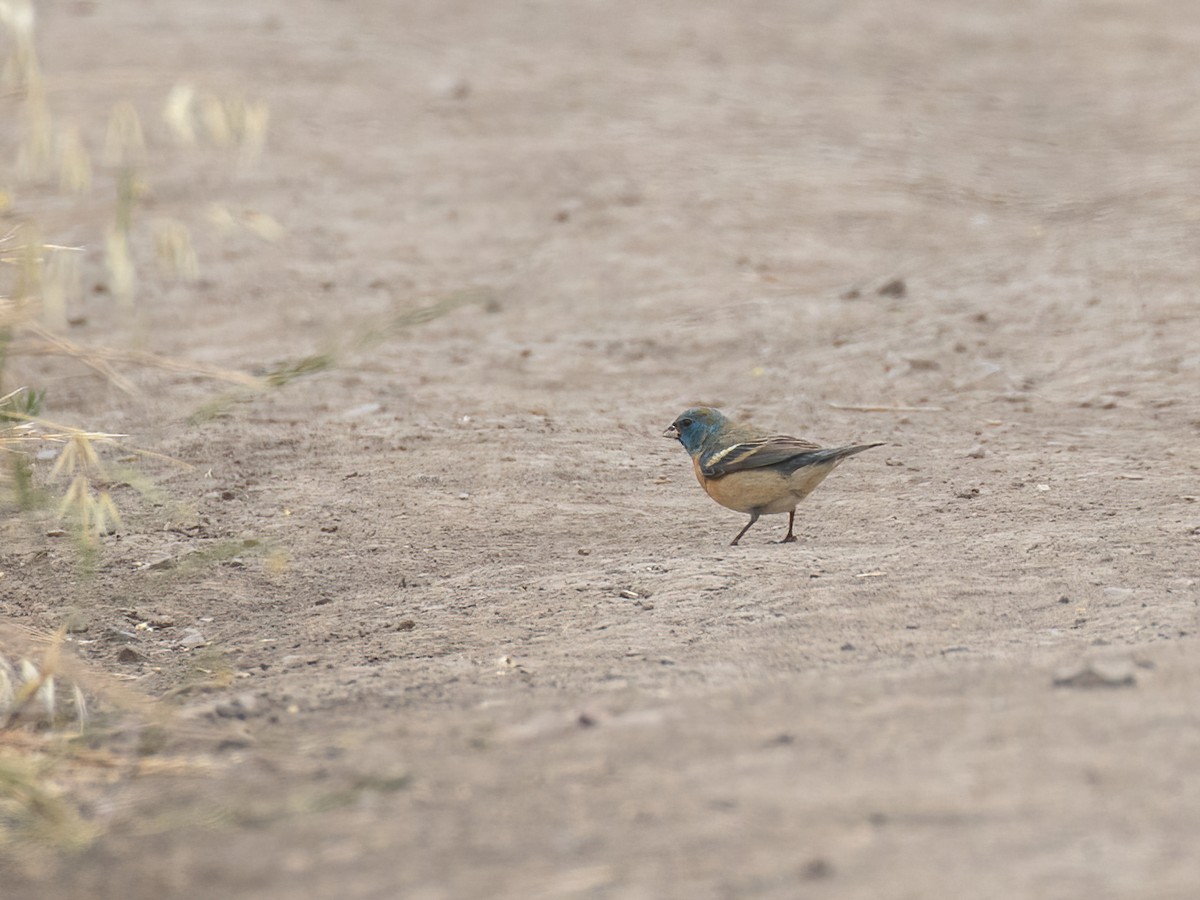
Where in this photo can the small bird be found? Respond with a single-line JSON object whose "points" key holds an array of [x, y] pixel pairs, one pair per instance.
{"points": [[751, 471]]}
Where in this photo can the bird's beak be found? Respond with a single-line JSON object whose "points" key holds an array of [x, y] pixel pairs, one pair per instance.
{"points": [[671, 432]]}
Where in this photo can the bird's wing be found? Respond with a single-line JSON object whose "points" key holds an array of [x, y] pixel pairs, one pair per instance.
{"points": [[778, 450]]}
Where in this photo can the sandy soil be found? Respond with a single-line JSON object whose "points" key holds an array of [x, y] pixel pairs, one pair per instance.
{"points": [[483, 633]]}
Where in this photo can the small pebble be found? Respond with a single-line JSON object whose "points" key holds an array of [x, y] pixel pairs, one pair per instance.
{"points": [[1097, 674], [192, 638], [364, 409], [816, 870], [243, 706], [450, 87], [235, 741]]}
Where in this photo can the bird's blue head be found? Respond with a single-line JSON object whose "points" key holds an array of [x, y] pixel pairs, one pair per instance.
{"points": [[695, 426]]}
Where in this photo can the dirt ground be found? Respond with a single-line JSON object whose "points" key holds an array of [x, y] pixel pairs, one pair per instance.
{"points": [[480, 633]]}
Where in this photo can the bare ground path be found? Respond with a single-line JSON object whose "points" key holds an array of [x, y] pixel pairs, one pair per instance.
{"points": [[484, 634]]}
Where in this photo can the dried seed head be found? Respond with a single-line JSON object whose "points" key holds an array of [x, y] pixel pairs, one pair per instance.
{"points": [[124, 143]]}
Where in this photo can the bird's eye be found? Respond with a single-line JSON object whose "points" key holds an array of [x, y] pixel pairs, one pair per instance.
{"points": [[684, 423]]}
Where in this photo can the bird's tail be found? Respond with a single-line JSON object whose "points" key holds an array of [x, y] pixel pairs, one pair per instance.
{"points": [[843, 452], [832, 455]]}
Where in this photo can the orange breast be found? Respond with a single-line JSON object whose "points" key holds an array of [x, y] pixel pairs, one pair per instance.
{"points": [[766, 490]]}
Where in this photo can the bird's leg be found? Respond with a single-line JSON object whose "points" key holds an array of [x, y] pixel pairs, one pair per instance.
{"points": [[791, 538], [753, 519]]}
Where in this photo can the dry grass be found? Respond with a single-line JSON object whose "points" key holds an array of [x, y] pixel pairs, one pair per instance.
{"points": [[52, 747], [69, 737], [57, 718], [42, 711]]}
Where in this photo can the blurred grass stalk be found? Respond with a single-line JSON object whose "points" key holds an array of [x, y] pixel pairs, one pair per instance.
{"points": [[125, 153], [46, 282], [21, 69], [42, 710], [29, 690], [34, 813]]}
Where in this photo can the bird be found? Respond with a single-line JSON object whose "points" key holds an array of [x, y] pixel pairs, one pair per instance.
{"points": [[752, 471]]}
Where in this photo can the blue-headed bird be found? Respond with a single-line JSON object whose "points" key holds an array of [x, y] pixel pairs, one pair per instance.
{"points": [[752, 471]]}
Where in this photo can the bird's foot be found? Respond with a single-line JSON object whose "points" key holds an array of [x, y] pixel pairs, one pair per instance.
{"points": [[790, 539]]}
